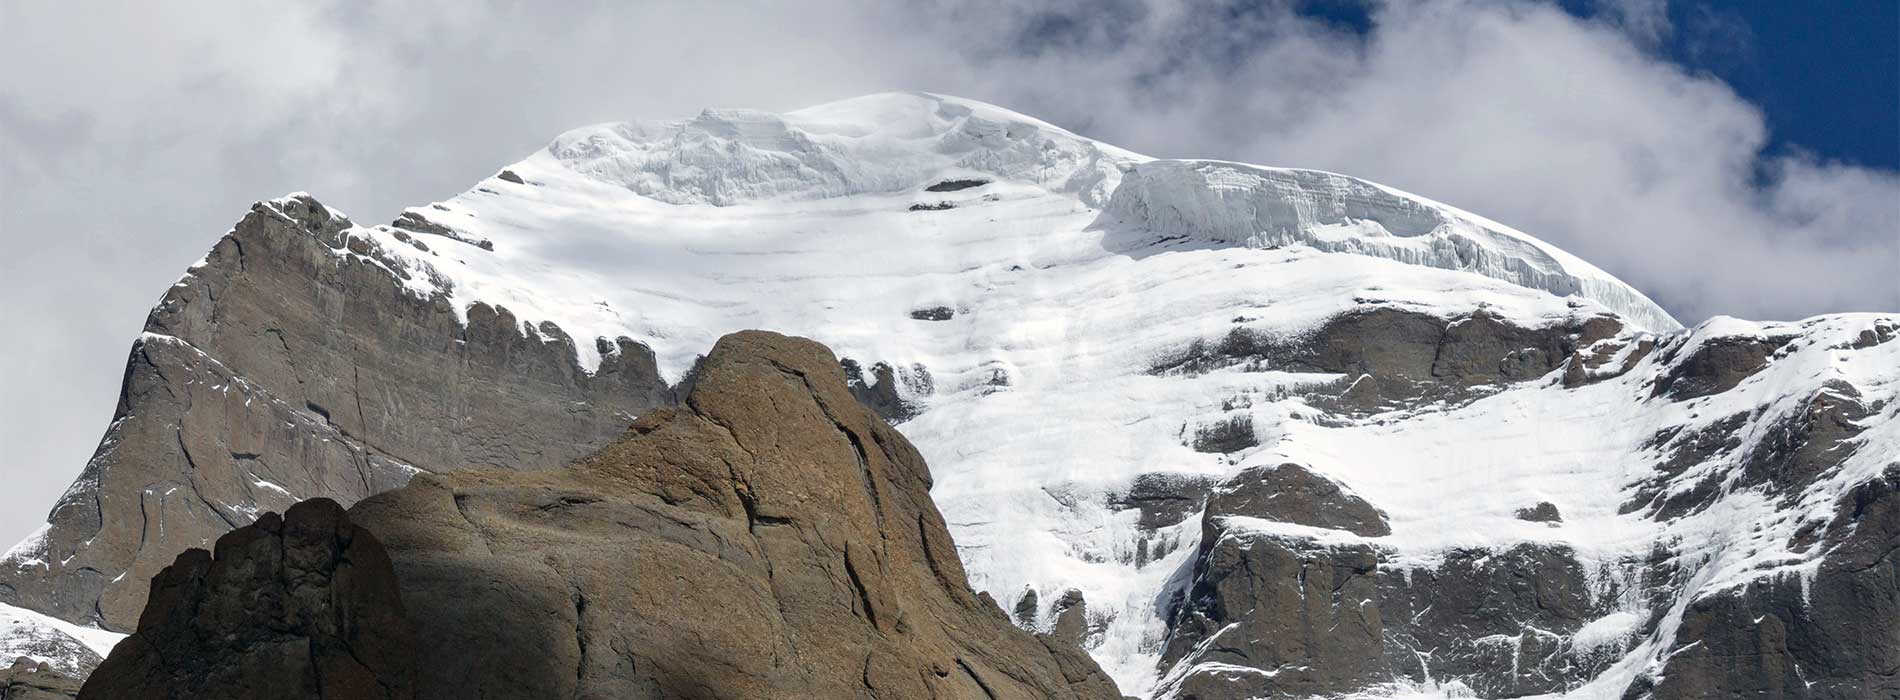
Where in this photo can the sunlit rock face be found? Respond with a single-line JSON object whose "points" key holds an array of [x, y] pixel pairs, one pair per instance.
{"points": [[1088, 345]]}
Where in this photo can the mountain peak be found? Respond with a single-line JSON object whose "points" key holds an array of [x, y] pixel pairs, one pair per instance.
{"points": [[876, 144]]}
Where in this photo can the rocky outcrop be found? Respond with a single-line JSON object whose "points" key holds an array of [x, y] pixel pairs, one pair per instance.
{"points": [[770, 538], [27, 680], [1291, 493], [881, 393], [296, 362], [1163, 498], [1393, 358], [1504, 621], [1715, 365], [1309, 604], [1829, 637], [1279, 614], [299, 606]]}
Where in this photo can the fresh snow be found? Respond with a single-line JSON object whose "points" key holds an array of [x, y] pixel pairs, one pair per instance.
{"points": [[675, 232], [1069, 272], [48, 640]]}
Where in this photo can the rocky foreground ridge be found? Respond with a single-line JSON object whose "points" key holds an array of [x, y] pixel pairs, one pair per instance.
{"points": [[769, 538], [1235, 431]]}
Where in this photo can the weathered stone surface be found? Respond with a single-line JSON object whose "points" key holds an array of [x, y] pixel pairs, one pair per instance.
{"points": [[1291, 493], [1395, 357], [1605, 359], [1300, 611], [933, 313], [1232, 434], [26, 680], [302, 606], [1715, 366], [771, 538], [1832, 637], [1288, 607], [293, 365], [1500, 620], [41, 641], [1071, 612], [1282, 614], [1164, 498]]}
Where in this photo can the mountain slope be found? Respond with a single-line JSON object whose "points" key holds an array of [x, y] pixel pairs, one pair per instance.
{"points": [[768, 538], [1085, 343]]}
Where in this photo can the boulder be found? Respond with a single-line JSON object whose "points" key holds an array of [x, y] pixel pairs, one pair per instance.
{"points": [[28, 680]]}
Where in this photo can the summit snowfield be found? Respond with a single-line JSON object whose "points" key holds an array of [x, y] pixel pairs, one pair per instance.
{"points": [[824, 197], [1238, 431]]}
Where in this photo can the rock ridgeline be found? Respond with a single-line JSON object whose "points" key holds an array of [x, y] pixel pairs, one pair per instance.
{"points": [[293, 363], [769, 538]]}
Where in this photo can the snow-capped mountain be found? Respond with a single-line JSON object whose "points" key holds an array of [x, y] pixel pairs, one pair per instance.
{"points": [[1238, 431]]}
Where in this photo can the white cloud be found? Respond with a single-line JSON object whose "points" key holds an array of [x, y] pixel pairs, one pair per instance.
{"points": [[134, 135]]}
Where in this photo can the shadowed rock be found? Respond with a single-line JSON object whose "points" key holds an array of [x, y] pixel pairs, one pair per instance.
{"points": [[1543, 512], [1716, 366], [770, 538], [302, 606], [1290, 493], [1302, 609], [294, 362], [1832, 637]]}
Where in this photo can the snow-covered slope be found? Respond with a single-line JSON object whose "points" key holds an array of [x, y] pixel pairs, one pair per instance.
{"points": [[1668, 498], [70, 649], [1062, 324], [738, 217]]}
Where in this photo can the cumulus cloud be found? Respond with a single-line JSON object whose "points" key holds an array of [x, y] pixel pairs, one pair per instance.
{"points": [[135, 135]]}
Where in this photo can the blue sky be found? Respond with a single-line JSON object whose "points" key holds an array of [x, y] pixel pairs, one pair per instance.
{"points": [[1826, 73]]}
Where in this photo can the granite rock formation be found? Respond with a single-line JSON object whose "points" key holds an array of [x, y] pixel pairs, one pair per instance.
{"points": [[299, 606], [770, 538], [292, 363]]}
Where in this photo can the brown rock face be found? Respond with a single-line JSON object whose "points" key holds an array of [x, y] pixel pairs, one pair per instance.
{"points": [[26, 680], [294, 364], [1394, 357], [771, 538], [1302, 609], [302, 606], [1294, 494], [1831, 638], [1716, 366]]}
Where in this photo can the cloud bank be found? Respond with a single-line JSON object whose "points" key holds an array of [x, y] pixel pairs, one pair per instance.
{"points": [[133, 136]]}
